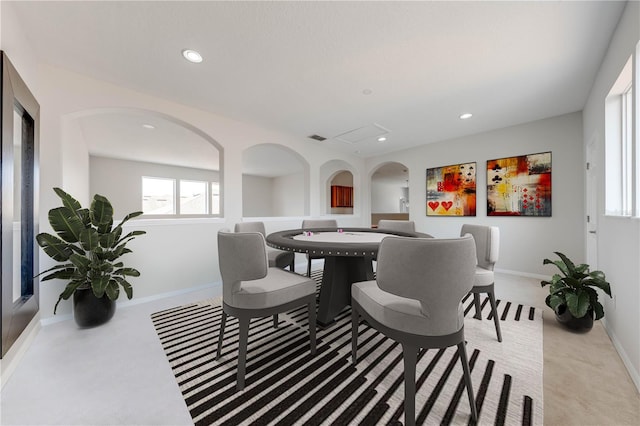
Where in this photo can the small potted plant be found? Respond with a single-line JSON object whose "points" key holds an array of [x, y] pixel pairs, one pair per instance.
{"points": [[88, 247], [573, 295]]}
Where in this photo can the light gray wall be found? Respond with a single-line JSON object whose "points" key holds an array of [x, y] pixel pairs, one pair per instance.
{"points": [[618, 239], [385, 196], [121, 180], [525, 241], [286, 201], [257, 199]]}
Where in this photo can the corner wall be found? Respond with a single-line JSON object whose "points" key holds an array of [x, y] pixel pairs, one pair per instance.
{"points": [[618, 238], [524, 241]]}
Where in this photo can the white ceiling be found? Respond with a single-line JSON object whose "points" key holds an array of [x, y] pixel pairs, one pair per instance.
{"points": [[303, 68]]}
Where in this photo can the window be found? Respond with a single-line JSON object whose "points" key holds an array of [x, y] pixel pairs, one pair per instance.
{"points": [[158, 195], [215, 198], [619, 152], [193, 197]]}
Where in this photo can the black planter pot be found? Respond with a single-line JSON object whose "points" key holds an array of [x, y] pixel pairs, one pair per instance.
{"points": [[90, 311], [582, 324]]}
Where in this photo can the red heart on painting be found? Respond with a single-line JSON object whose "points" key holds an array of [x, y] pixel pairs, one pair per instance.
{"points": [[434, 205], [447, 204]]}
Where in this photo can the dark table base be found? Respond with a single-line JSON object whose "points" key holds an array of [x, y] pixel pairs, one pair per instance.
{"points": [[335, 293]]}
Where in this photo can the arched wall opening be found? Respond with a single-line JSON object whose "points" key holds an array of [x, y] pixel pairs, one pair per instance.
{"points": [[128, 150], [338, 189], [275, 182], [389, 192]]}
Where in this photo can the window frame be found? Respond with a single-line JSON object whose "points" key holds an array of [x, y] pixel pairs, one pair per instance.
{"points": [[177, 197]]}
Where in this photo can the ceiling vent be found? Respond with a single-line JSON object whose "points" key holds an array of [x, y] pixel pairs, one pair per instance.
{"points": [[372, 131], [318, 138]]}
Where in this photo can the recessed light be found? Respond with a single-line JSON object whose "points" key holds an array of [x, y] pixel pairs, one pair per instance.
{"points": [[192, 56], [466, 115], [367, 91], [382, 139], [149, 126]]}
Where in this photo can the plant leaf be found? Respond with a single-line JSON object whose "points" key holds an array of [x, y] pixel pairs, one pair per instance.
{"points": [[601, 284], [131, 272], [101, 211], [66, 224], [127, 217], [99, 285], [62, 274], [130, 236], [80, 262], [53, 268], [571, 268], [54, 247], [67, 292], [553, 301], [559, 264], [113, 290], [89, 239], [110, 239], [126, 286], [598, 310], [67, 200], [578, 303]]}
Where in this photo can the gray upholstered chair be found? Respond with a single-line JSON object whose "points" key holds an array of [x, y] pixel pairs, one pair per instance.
{"points": [[277, 258], [416, 300], [401, 226], [317, 223], [487, 239], [397, 225], [250, 289]]}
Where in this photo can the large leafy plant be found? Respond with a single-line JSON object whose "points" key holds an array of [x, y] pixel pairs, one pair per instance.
{"points": [[88, 247], [575, 288]]}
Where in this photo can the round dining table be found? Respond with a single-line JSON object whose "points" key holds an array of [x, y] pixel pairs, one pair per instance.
{"points": [[348, 258]]}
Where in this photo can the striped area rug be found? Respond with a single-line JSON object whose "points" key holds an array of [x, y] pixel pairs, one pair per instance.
{"points": [[286, 386]]}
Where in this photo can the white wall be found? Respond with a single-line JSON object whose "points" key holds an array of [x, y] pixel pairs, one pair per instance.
{"points": [[385, 196], [285, 201], [525, 241], [257, 199], [109, 177], [175, 254], [618, 239]]}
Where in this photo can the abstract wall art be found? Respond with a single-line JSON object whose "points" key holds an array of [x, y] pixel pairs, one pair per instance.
{"points": [[451, 190], [519, 186]]}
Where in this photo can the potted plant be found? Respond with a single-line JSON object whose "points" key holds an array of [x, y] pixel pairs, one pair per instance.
{"points": [[88, 247], [573, 295]]}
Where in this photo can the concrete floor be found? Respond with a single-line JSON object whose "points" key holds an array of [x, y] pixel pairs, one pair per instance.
{"points": [[117, 373]]}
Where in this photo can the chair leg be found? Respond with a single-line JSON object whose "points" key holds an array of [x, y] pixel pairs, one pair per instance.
{"points": [[494, 311], [355, 319], [242, 352], [275, 320], [476, 301], [462, 351], [410, 355], [312, 325], [221, 334], [292, 265]]}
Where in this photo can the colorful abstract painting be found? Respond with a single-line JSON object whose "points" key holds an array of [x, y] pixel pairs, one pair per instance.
{"points": [[451, 190], [519, 186]]}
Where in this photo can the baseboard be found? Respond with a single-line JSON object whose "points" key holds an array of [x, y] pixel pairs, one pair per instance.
{"points": [[123, 304], [633, 373], [13, 356], [523, 274]]}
